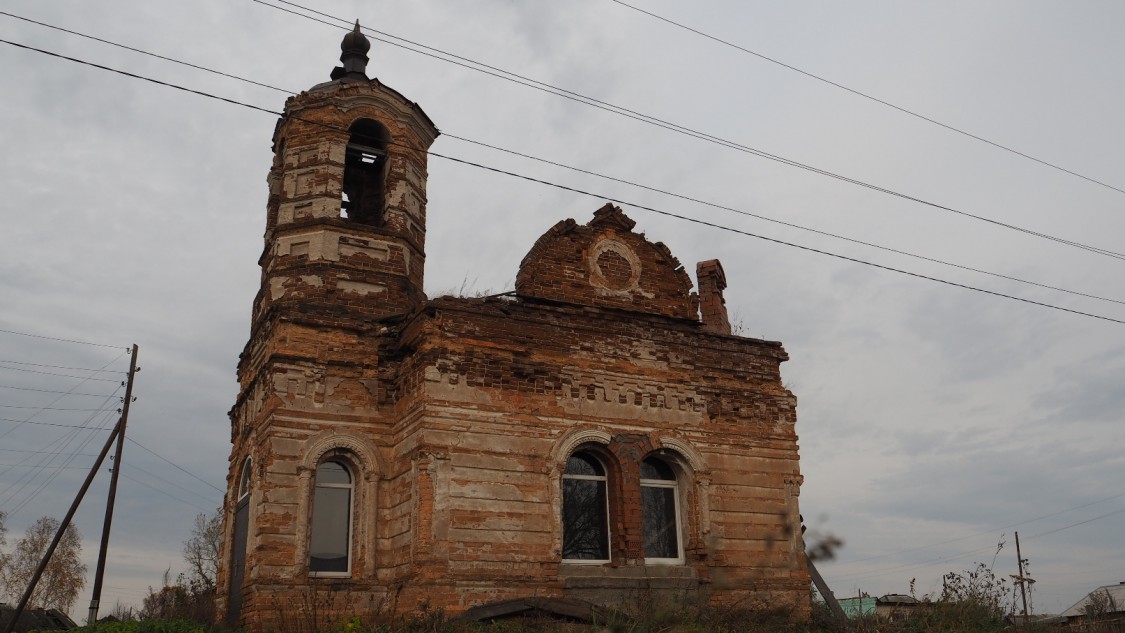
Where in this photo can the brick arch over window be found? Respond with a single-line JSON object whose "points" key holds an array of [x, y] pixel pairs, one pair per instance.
{"points": [[586, 521], [364, 468], [693, 482], [572, 441]]}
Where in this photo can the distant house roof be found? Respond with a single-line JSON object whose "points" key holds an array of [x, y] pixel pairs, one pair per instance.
{"points": [[32, 619], [1116, 592], [897, 598]]}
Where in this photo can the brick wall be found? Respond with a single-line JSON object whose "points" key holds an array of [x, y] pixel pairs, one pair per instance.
{"points": [[455, 417]]}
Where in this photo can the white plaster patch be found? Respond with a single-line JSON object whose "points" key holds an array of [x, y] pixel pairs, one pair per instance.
{"points": [[360, 287], [277, 287], [375, 250]]}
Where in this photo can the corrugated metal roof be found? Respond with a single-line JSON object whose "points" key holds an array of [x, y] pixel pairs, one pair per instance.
{"points": [[1116, 592]]}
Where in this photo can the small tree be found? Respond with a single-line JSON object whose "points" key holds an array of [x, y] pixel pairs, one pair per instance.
{"points": [[201, 550], [3, 554], [64, 577]]}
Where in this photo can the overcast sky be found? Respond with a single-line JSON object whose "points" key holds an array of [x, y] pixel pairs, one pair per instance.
{"points": [[934, 420]]}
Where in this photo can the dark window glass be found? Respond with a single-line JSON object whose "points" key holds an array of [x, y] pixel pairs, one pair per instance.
{"points": [[585, 515], [661, 531], [330, 543], [332, 473], [659, 501], [653, 468], [582, 464]]}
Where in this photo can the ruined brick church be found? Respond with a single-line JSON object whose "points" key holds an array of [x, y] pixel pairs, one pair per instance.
{"points": [[595, 436]]}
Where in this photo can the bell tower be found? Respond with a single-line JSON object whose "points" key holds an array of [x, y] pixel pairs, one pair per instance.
{"points": [[342, 267], [346, 224]]}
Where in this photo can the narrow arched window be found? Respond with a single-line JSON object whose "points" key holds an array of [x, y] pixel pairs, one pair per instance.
{"points": [[244, 480], [660, 501], [330, 541], [238, 542], [365, 166], [585, 511]]}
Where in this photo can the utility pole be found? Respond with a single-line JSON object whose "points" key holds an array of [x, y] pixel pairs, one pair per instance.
{"points": [[96, 597], [821, 586], [65, 523], [1021, 580]]}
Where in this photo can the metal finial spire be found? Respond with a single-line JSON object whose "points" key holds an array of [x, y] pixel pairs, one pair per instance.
{"points": [[354, 56]]}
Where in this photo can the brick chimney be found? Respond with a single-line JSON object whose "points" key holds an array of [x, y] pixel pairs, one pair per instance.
{"points": [[712, 306]]}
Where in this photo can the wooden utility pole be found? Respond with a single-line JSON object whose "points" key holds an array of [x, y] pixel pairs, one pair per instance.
{"points": [[117, 430], [1022, 580], [96, 597], [826, 593]]}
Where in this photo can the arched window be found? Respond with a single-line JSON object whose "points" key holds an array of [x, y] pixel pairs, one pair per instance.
{"points": [[365, 163], [330, 540], [244, 481], [585, 510], [238, 542], [660, 501]]}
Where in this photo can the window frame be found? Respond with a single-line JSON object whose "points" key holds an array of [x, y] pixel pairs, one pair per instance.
{"points": [[349, 468], [604, 479], [674, 485], [244, 480]]}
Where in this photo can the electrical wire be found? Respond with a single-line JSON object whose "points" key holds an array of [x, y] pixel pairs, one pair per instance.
{"points": [[89, 369], [165, 492], [1067, 527], [781, 222], [51, 373], [177, 466], [143, 52], [674, 127], [132, 466], [991, 530], [595, 195], [871, 98], [82, 381], [606, 177], [15, 388], [65, 426], [50, 478], [960, 555], [63, 340]]}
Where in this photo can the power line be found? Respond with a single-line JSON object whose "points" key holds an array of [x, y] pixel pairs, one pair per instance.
{"points": [[614, 179], [165, 492], [870, 97], [96, 371], [143, 52], [21, 450], [661, 123], [781, 242], [82, 381], [177, 466], [595, 195], [69, 393], [993, 530], [888, 570], [36, 422], [1067, 527], [52, 373], [781, 222], [170, 483], [20, 406], [52, 338], [45, 462]]}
